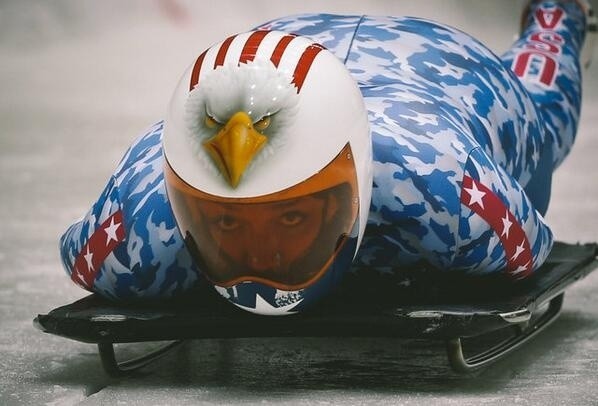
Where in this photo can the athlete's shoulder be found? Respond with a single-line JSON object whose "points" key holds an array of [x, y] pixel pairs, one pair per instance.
{"points": [[145, 149], [128, 246]]}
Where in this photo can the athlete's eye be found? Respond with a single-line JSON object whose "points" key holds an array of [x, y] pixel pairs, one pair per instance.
{"points": [[292, 218], [211, 122], [227, 223], [262, 124]]}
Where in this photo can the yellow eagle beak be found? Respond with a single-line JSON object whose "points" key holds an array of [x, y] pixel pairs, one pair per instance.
{"points": [[235, 146]]}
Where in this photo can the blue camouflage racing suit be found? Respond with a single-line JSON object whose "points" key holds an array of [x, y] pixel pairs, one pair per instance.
{"points": [[464, 146]]}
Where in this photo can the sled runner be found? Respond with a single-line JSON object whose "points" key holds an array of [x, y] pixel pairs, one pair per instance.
{"points": [[461, 312]]}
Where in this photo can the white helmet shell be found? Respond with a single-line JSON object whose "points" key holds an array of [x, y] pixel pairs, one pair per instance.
{"points": [[289, 101]]}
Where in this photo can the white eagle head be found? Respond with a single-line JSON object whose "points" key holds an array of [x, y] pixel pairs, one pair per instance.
{"points": [[235, 119]]}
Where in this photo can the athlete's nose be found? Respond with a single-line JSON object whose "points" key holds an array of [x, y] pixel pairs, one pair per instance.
{"points": [[263, 253]]}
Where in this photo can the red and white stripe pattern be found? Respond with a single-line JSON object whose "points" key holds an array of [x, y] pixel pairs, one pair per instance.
{"points": [[484, 202], [285, 51], [102, 242]]}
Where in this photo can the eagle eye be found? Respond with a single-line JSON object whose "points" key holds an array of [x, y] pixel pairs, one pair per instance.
{"points": [[211, 122], [262, 124]]}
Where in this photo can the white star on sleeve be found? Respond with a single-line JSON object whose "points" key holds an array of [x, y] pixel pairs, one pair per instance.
{"points": [[89, 258], [78, 274], [520, 268], [506, 223], [518, 251], [111, 231], [475, 195]]}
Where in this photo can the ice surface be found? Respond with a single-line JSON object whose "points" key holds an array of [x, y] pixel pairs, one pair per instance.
{"points": [[81, 79]]}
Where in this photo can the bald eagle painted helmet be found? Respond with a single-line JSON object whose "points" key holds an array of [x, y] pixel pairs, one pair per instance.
{"points": [[268, 169]]}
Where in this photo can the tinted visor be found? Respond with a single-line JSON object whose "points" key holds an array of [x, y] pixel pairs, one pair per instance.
{"points": [[285, 240]]}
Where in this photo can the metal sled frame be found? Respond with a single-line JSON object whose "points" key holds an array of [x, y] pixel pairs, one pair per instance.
{"points": [[452, 314]]}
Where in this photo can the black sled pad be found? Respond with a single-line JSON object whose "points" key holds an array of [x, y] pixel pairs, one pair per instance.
{"points": [[416, 304]]}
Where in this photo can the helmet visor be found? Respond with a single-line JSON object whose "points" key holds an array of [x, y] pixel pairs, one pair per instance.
{"points": [[285, 239]]}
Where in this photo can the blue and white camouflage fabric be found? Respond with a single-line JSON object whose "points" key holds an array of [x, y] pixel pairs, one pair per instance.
{"points": [[464, 146]]}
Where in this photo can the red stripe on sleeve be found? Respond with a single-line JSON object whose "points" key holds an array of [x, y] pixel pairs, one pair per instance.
{"points": [[102, 242], [484, 202]]}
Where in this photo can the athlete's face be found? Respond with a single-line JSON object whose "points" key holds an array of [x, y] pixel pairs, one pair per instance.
{"points": [[263, 238]]}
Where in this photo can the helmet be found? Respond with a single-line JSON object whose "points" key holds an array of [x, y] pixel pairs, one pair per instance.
{"points": [[268, 169]]}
